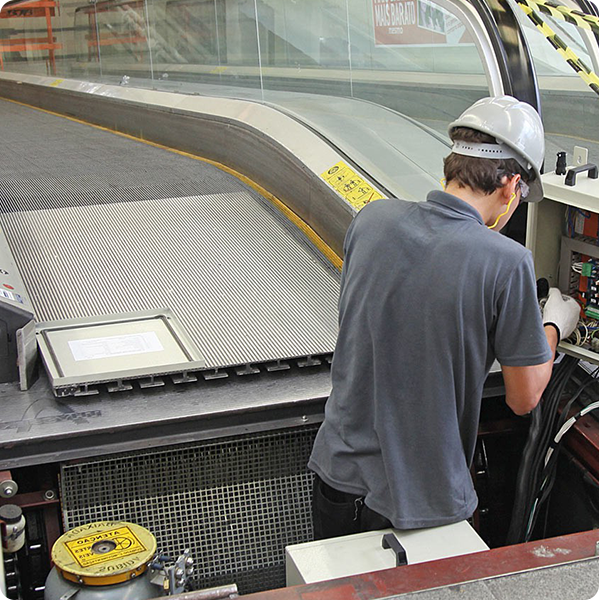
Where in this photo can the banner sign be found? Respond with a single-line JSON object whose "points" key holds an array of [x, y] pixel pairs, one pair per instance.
{"points": [[414, 22]]}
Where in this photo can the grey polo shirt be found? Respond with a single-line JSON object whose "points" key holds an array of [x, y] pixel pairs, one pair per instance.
{"points": [[430, 296]]}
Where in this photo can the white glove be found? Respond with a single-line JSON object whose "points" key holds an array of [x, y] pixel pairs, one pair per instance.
{"points": [[562, 312]]}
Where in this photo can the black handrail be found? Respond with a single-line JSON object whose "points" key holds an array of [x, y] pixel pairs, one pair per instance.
{"points": [[510, 44]]}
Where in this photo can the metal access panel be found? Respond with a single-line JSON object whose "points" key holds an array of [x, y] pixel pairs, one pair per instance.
{"points": [[115, 349], [236, 502]]}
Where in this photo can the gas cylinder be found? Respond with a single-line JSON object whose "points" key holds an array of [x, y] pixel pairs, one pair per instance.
{"points": [[106, 560]]}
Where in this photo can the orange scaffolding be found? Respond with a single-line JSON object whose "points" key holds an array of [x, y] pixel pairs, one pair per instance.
{"points": [[96, 39], [45, 9]]}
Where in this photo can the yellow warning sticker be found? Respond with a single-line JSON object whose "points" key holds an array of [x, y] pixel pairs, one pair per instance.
{"points": [[104, 546], [351, 186], [56, 82]]}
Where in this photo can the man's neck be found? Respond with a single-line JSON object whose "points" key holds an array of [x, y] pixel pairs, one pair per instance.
{"points": [[487, 205]]}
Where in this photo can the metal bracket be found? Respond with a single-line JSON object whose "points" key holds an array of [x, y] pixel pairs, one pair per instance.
{"points": [[27, 355]]}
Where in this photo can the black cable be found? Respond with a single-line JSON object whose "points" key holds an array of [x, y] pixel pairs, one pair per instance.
{"points": [[549, 474], [548, 484], [532, 462], [524, 476], [564, 415], [550, 410]]}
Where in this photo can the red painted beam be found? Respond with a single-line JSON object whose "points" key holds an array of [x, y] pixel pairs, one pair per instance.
{"points": [[30, 500], [583, 441], [445, 572]]}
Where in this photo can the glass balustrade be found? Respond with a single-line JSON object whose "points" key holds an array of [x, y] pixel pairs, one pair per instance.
{"points": [[374, 76]]}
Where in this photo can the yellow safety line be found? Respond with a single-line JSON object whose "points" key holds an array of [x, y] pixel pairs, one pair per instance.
{"points": [[568, 135], [575, 17], [310, 233], [570, 57]]}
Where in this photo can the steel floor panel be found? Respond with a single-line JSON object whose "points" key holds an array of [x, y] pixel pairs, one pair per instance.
{"points": [[101, 224]]}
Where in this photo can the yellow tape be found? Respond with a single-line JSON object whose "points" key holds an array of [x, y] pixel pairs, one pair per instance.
{"points": [[562, 13], [351, 186], [310, 233], [590, 78]]}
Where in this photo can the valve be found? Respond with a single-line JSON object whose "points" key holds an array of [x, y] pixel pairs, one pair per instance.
{"points": [[172, 578]]}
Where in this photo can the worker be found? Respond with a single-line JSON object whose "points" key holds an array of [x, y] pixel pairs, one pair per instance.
{"points": [[431, 294]]}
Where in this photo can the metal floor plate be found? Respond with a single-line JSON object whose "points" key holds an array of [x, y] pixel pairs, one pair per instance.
{"points": [[98, 237]]}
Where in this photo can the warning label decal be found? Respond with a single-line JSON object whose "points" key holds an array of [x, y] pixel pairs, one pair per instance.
{"points": [[105, 546], [351, 186]]}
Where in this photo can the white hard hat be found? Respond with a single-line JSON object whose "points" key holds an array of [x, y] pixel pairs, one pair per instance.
{"points": [[518, 130]]}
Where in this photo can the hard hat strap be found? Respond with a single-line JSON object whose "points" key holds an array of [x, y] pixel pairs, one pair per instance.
{"points": [[482, 150]]}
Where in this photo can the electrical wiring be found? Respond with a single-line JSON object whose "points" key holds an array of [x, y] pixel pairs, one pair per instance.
{"points": [[530, 476], [570, 215], [569, 423], [565, 411], [538, 468], [584, 332], [550, 468], [550, 402]]}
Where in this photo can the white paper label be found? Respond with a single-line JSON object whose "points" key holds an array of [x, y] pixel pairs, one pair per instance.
{"points": [[115, 345]]}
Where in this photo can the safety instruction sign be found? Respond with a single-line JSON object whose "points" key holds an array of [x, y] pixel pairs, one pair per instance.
{"points": [[351, 186], [104, 546]]}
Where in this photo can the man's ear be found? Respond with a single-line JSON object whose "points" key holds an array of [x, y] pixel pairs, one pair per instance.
{"points": [[509, 188]]}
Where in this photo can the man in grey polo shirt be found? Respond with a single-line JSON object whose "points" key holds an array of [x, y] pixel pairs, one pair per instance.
{"points": [[431, 295]]}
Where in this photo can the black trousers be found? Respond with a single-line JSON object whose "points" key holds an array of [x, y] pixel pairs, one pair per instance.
{"points": [[337, 513]]}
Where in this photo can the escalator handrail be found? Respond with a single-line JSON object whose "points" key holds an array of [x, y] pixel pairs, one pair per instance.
{"points": [[512, 48]]}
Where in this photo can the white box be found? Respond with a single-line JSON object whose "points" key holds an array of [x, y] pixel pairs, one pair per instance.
{"points": [[363, 552]]}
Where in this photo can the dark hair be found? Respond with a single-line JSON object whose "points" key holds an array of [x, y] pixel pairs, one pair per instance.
{"points": [[480, 174]]}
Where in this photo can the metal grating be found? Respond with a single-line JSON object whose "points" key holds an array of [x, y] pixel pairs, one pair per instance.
{"points": [[246, 285], [236, 502], [44, 193]]}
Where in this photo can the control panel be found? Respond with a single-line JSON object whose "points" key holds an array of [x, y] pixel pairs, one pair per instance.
{"points": [[562, 233]]}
